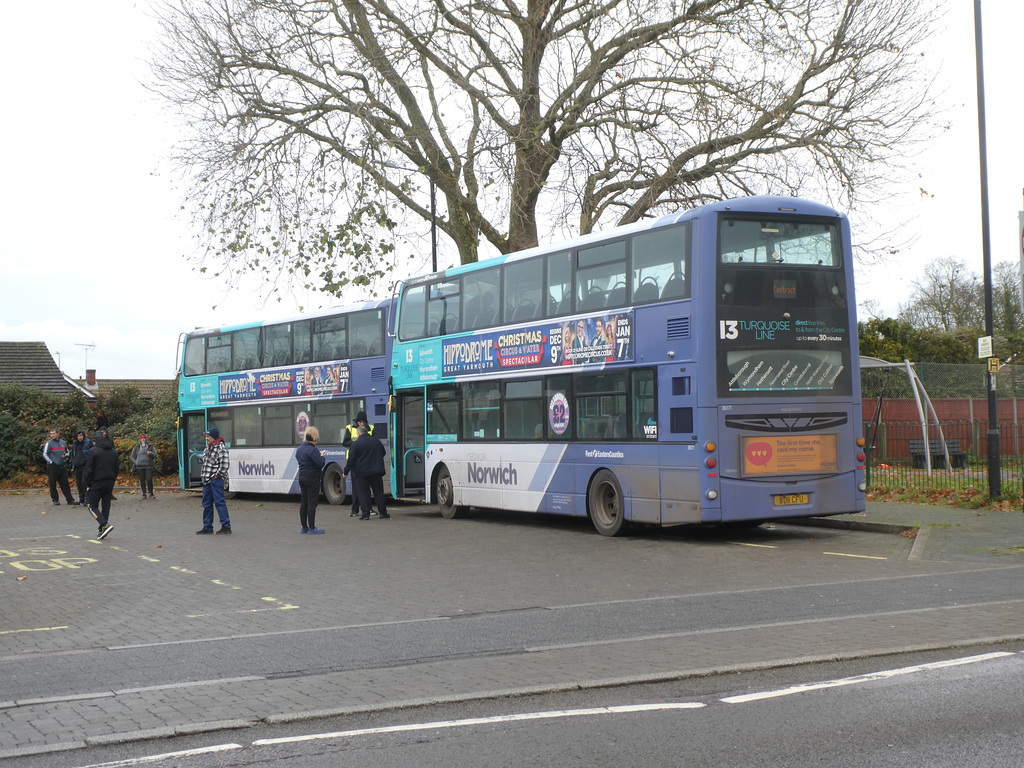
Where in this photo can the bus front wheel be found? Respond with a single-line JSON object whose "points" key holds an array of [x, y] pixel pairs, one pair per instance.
{"points": [[444, 492], [605, 504], [334, 485]]}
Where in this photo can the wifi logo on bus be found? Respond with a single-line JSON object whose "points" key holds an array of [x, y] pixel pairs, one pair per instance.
{"points": [[759, 454]]}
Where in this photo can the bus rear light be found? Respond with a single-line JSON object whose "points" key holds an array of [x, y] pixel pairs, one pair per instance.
{"points": [[710, 462], [862, 487], [712, 494], [861, 456], [712, 474], [709, 446], [861, 442]]}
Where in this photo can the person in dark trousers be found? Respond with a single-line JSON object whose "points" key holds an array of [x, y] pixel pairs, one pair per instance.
{"points": [[144, 457], [55, 452], [351, 433], [214, 473], [366, 463], [79, 450], [311, 466], [101, 474]]}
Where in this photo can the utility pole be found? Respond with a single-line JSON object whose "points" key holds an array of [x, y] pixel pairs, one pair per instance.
{"points": [[995, 489]]}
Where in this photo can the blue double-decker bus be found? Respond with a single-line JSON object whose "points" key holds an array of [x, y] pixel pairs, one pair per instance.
{"points": [[697, 368], [261, 384]]}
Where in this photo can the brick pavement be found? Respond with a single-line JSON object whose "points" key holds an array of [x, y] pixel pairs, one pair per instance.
{"points": [[154, 581]]}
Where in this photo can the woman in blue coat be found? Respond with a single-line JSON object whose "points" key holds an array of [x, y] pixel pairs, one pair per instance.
{"points": [[311, 465]]}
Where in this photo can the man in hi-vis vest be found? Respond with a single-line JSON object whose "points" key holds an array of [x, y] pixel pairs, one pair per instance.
{"points": [[350, 437]]}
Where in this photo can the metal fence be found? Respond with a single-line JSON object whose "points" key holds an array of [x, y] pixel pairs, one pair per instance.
{"points": [[901, 452], [900, 455]]}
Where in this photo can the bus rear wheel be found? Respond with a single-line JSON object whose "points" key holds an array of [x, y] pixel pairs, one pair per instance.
{"points": [[444, 492], [334, 485], [605, 505]]}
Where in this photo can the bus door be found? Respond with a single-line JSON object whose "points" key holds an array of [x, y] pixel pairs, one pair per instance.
{"points": [[408, 441], [193, 443]]}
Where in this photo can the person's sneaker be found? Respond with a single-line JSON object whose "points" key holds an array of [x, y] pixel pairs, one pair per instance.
{"points": [[205, 530], [72, 503], [56, 503], [316, 530], [364, 517], [385, 517], [224, 529], [105, 530], [353, 514], [304, 530]]}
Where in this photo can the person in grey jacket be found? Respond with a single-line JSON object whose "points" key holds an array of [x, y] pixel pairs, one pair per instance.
{"points": [[144, 459], [55, 452]]}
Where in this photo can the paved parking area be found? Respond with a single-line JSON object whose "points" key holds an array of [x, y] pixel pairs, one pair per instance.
{"points": [[189, 604]]}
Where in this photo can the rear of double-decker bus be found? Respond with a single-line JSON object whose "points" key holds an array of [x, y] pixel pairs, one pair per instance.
{"points": [[780, 408]]}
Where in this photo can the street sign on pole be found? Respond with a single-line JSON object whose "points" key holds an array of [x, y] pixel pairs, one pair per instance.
{"points": [[984, 347]]}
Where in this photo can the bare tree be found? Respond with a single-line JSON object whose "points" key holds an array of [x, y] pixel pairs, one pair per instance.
{"points": [[317, 123], [949, 297]]}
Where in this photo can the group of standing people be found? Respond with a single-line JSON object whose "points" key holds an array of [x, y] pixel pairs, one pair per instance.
{"points": [[364, 461], [95, 464]]}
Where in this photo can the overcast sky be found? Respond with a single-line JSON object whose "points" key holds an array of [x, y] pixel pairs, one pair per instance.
{"points": [[93, 252]]}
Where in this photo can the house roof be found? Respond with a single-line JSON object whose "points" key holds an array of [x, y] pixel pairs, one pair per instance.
{"points": [[148, 388], [30, 363]]}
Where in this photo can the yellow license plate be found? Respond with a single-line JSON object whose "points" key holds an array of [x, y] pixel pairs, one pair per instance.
{"points": [[791, 498]]}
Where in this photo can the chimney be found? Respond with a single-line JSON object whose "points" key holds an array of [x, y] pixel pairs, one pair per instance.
{"points": [[90, 378]]}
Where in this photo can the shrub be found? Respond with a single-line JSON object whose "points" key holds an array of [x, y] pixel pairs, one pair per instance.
{"points": [[19, 447]]}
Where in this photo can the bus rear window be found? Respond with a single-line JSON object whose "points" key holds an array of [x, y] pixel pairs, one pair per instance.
{"points": [[766, 242]]}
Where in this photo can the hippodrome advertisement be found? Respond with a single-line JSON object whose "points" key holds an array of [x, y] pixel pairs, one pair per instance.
{"points": [[324, 380], [596, 339]]}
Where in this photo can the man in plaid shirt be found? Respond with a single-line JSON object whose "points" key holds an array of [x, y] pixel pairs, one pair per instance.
{"points": [[214, 473]]}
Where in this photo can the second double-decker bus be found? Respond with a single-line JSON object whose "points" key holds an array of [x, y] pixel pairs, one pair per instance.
{"points": [[261, 384], [697, 368]]}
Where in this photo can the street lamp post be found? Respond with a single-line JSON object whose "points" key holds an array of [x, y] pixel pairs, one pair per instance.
{"points": [[433, 226], [433, 211], [994, 476]]}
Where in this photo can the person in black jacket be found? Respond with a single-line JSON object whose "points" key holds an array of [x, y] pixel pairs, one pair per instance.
{"points": [[79, 450], [351, 434], [100, 475], [366, 463]]}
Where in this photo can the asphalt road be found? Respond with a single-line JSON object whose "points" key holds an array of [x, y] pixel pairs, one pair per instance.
{"points": [[157, 632]]}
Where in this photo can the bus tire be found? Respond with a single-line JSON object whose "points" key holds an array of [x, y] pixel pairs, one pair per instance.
{"points": [[605, 504], [334, 485], [444, 492]]}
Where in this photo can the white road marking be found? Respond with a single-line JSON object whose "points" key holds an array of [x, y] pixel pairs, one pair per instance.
{"points": [[167, 755], [884, 675], [523, 716]]}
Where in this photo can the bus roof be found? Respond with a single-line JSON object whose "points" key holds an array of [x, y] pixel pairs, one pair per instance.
{"points": [[758, 203], [376, 304]]}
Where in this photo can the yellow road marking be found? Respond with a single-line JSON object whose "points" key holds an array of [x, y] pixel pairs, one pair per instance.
{"points": [[224, 584], [745, 544], [862, 557], [37, 629]]}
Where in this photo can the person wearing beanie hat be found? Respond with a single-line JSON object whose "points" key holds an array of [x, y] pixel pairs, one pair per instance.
{"points": [[351, 435], [79, 450], [144, 459], [214, 474]]}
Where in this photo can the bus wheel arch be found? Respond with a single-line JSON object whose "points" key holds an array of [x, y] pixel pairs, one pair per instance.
{"points": [[605, 504], [334, 484], [444, 494]]}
